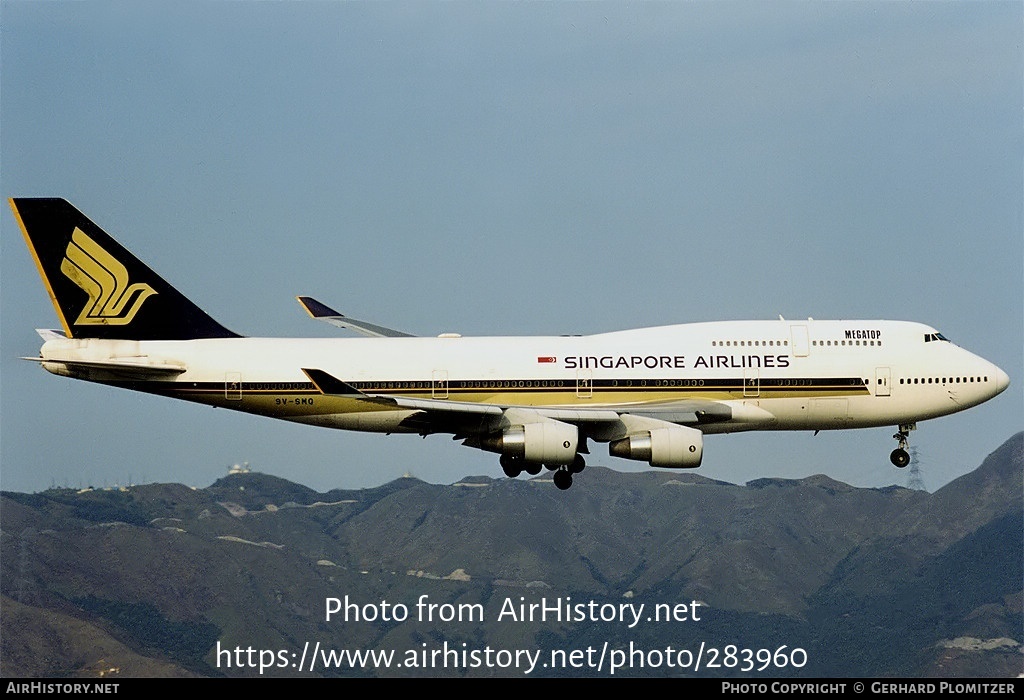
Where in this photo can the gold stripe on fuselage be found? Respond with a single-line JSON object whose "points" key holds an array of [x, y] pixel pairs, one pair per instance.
{"points": [[279, 403]]}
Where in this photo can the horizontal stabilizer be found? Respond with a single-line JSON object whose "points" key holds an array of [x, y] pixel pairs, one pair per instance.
{"points": [[50, 334], [129, 368], [322, 312]]}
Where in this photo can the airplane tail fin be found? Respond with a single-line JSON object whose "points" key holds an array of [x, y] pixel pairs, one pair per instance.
{"points": [[99, 289]]}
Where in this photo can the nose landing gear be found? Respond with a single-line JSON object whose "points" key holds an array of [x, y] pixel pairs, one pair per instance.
{"points": [[900, 457]]}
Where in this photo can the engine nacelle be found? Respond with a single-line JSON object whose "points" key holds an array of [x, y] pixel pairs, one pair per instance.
{"points": [[677, 447], [546, 442]]}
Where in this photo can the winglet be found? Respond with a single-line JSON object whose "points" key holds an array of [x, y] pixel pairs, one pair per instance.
{"points": [[316, 309], [322, 312], [329, 385]]}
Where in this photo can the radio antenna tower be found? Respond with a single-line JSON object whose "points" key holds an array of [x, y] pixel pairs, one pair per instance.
{"points": [[914, 481], [24, 593]]}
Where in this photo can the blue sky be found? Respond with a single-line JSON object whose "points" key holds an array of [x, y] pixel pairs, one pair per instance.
{"points": [[513, 168]]}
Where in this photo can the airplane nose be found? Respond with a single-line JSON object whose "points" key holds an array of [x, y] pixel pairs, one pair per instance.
{"points": [[1002, 380]]}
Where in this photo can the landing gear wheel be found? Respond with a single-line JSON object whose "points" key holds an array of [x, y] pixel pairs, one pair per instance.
{"points": [[563, 479], [900, 457], [512, 466], [578, 464], [533, 468]]}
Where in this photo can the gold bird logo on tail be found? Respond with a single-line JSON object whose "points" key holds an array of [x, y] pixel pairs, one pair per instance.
{"points": [[112, 301]]}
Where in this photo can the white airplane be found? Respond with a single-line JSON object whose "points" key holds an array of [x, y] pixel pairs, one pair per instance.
{"points": [[650, 393]]}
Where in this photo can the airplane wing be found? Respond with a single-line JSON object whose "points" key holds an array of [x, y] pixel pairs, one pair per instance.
{"points": [[330, 385], [462, 417], [322, 312]]}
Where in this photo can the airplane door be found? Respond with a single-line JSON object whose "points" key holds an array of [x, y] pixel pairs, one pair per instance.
{"points": [[883, 380], [233, 386], [584, 384], [439, 385], [801, 344], [751, 382]]}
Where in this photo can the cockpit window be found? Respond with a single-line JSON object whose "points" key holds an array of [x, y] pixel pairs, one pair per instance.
{"points": [[929, 337]]}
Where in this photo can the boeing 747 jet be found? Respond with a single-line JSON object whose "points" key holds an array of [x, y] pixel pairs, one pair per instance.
{"points": [[651, 394]]}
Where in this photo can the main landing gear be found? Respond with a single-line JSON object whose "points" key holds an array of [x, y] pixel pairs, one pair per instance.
{"points": [[563, 476], [514, 466], [900, 457]]}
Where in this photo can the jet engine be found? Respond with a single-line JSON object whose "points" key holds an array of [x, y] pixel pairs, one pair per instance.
{"points": [[675, 447], [546, 442]]}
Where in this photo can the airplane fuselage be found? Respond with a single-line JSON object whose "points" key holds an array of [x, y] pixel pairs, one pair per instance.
{"points": [[775, 375]]}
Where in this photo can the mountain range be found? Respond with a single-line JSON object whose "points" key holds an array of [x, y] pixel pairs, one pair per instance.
{"points": [[820, 578]]}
